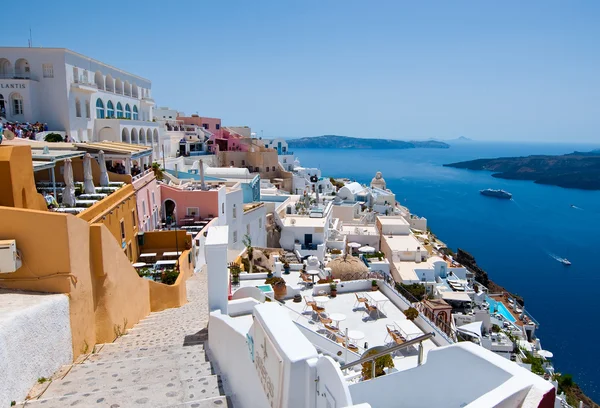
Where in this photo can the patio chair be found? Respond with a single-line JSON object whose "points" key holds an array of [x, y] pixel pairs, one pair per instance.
{"points": [[317, 309], [359, 300], [341, 340], [395, 334], [308, 303], [306, 279], [327, 323], [370, 309]]}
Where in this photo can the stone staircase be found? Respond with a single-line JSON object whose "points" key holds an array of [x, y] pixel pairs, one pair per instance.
{"points": [[160, 362]]}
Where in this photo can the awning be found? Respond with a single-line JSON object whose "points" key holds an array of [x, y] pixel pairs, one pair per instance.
{"points": [[42, 165], [471, 328], [457, 296], [133, 151]]}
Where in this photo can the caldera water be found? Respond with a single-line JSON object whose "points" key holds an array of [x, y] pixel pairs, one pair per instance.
{"points": [[518, 242]]}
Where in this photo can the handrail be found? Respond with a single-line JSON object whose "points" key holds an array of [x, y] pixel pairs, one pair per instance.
{"points": [[389, 350]]}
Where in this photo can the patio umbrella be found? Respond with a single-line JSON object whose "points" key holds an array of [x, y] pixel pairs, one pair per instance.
{"points": [[366, 249], [103, 172], [68, 193], [88, 180], [545, 353], [128, 165], [354, 245]]}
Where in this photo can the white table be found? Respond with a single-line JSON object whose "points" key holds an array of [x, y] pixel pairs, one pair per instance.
{"points": [[312, 274], [148, 255], [379, 298], [166, 262], [173, 253], [337, 318], [355, 335], [139, 264], [321, 300]]}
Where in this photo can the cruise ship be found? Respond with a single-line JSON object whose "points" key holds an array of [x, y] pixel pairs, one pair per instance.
{"points": [[496, 193]]}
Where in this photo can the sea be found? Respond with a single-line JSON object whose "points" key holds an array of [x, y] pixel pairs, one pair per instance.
{"points": [[518, 242]]}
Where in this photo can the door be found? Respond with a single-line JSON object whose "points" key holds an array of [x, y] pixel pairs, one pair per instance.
{"points": [[308, 240], [278, 147]]}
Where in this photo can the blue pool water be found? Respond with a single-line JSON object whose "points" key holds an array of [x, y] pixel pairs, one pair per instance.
{"points": [[500, 308], [265, 288], [516, 241]]}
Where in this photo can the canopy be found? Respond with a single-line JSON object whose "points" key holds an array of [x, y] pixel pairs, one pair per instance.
{"points": [[68, 195], [103, 171], [88, 179], [354, 245], [367, 249], [471, 328], [457, 296], [545, 353]]}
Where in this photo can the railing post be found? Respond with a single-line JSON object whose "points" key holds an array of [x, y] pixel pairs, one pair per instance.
{"points": [[420, 353], [373, 368]]}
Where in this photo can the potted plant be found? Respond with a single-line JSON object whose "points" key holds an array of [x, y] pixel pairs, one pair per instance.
{"points": [[333, 289], [286, 267], [374, 285], [235, 273], [381, 364], [269, 274], [411, 313], [279, 287]]}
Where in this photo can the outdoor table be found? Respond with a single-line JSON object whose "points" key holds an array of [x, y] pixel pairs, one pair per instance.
{"points": [[148, 255], [321, 300], [337, 318], [170, 254], [355, 335], [313, 274], [166, 262], [379, 298], [139, 264]]}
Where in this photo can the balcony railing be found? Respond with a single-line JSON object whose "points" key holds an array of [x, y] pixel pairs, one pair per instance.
{"points": [[18, 75]]}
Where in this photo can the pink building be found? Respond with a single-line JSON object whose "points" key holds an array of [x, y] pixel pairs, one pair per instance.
{"points": [[147, 195], [198, 203], [213, 125]]}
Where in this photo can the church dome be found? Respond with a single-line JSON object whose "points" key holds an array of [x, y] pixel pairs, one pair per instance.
{"points": [[378, 181]]}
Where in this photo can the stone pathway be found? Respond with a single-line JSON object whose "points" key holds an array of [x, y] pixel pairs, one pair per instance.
{"points": [[160, 362]]}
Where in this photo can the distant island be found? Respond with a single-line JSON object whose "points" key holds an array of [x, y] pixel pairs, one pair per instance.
{"points": [[345, 142], [574, 170]]}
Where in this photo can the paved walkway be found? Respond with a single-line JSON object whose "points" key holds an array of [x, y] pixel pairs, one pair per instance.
{"points": [[160, 362]]}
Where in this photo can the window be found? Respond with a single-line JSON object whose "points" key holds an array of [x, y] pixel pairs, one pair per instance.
{"points": [[127, 111], [273, 168], [217, 126], [110, 110], [119, 110], [77, 107], [243, 162], [129, 251], [260, 223], [232, 163], [234, 237], [87, 109], [234, 212], [135, 113], [192, 211], [205, 126], [153, 202], [133, 218], [122, 230], [247, 229], [222, 208], [267, 169], [48, 70], [17, 104], [99, 109]]}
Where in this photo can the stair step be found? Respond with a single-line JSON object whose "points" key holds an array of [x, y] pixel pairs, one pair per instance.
{"points": [[223, 402], [184, 393], [108, 353], [120, 374]]}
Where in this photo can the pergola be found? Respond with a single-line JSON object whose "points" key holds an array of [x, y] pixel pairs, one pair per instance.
{"points": [[117, 151], [46, 159]]}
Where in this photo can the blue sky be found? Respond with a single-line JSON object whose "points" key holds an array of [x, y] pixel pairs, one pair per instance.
{"points": [[436, 69]]}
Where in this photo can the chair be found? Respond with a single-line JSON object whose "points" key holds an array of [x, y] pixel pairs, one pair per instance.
{"points": [[309, 303], [327, 323], [317, 309], [395, 334], [359, 300], [340, 340], [306, 279], [370, 309]]}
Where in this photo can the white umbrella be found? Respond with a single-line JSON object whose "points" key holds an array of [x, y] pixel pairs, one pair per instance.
{"points": [[68, 193], [545, 353], [127, 165], [88, 180], [103, 172], [354, 245], [366, 249]]}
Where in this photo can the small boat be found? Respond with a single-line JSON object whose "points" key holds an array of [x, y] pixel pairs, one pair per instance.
{"points": [[565, 261], [496, 193]]}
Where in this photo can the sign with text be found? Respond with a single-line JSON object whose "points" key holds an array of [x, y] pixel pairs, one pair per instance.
{"points": [[269, 365], [12, 86]]}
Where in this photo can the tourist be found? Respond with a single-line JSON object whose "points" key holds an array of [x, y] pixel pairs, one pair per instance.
{"points": [[66, 138], [45, 127], [50, 200]]}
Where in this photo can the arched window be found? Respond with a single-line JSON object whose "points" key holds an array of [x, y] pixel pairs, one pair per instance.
{"points": [[110, 110], [87, 109], [77, 107], [119, 110], [273, 168], [128, 111], [17, 103], [135, 112], [99, 109]]}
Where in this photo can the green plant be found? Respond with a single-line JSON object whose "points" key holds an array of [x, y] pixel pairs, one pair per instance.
{"points": [[411, 313], [169, 276], [381, 364], [496, 328], [53, 138], [274, 281], [42, 380], [158, 172], [144, 272], [415, 289], [13, 403], [336, 251], [333, 286], [537, 366], [373, 282]]}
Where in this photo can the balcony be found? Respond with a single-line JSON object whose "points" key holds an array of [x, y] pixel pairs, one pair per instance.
{"points": [[84, 85], [19, 75]]}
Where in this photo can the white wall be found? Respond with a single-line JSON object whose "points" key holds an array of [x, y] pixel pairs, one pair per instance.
{"points": [[35, 340], [256, 219], [236, 225]]}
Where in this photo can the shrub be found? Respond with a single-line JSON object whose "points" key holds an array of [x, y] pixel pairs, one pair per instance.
{"points": [[336, 251], [411, 313], [169, 276], [380, 364], [415, 289], [326, 280], [53, 138], [274, 281]]}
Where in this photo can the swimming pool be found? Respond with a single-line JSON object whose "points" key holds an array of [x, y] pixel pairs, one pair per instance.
{"points": [[265, 288], [499, 307]]}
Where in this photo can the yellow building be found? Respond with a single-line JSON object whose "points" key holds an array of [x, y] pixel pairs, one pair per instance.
{"points": [[88, 256]]}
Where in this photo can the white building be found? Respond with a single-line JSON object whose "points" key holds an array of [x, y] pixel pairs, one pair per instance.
{"points": [[78, 95], [278, 144]]}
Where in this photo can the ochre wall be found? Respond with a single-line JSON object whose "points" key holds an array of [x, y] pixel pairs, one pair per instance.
{"points": [[165, 296], [17, 186], [159, 241], [120, 296]]}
